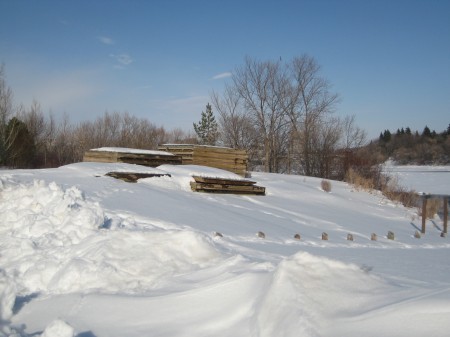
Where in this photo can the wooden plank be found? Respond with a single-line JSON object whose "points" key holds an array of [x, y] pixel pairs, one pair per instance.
{"points": [[424, 214], [223, 150], [223, 181], [145, 159], [445, 214], [231, 189], [231, 161], [133, 177]]}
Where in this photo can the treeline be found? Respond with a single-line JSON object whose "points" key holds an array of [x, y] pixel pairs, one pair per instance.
{"points": [[281, 113], [31, 139], [411, 147]]}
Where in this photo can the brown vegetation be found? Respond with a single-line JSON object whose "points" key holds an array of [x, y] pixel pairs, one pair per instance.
{"points": [[325, 185]]}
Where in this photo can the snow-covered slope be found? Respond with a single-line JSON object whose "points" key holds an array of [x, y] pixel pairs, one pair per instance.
{"points": [[85, 254]]}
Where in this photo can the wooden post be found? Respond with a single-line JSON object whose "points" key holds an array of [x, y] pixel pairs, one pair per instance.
{"points": [[445, 214], [424, 214]]}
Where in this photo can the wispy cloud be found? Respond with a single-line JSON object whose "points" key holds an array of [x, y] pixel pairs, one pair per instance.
{"points": [[221, 75], [122, 59], [106, 40]]}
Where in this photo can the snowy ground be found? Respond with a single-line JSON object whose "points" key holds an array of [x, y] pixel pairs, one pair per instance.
{"points": [[83, 254]]}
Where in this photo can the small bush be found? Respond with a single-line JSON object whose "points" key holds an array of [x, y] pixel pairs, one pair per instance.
{"points": [[360, 181], [326, 185]]}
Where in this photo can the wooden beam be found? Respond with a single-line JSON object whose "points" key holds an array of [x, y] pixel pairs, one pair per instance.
{"points": [[132, 177], [223, 181], [445, 214], [424, 214]]}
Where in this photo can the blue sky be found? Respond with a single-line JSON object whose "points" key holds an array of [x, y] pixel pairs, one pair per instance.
{"points": [[388, 60]]}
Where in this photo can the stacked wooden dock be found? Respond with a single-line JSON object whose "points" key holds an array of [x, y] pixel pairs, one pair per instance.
{"points": [[131, 156], [132, 177], [213, 156], [229, 186]]}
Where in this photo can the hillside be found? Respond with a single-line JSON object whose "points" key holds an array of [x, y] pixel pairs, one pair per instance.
{"points": [[87, 255], [411, 148]]}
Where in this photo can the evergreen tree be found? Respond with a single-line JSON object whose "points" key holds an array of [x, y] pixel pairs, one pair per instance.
{"points": [[426, 132], [21, 150], [448, 130], [207, 128], [408, 130], [387, 135]]}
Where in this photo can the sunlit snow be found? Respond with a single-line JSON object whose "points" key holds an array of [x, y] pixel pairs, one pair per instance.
{"points": [[83, 254]]}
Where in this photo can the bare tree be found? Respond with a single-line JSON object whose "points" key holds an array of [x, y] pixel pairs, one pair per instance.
{"points": [[352, 135], [261, 86], [236, 127], [6, 111], [309, 108]]}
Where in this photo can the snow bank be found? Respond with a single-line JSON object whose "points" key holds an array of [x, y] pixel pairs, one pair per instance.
{"points": [[58, 328], [44, 214], [100, 169], [308, 291], [55, 241], [7, 296]]}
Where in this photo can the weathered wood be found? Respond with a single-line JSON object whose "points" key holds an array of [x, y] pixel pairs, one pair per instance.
{"points": [[231, 189], [445, 198], [219, 157], [424, 214], [145, 159], [133, 177], [223, 181], [445, 214]]}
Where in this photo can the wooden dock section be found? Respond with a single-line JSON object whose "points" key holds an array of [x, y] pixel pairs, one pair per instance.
{"points": [[213, 156], [228, 186], [145, 158], [132, 177], [445, 200]]}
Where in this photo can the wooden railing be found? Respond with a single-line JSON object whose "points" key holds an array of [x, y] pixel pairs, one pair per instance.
{"points": [[425, 198]]}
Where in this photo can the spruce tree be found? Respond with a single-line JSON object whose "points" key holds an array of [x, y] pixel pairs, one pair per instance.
{"points": [[426, 132], [207, 128]]}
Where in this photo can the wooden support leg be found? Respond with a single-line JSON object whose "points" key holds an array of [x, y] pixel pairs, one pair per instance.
{"points": [[424, 214], [445, 214]]}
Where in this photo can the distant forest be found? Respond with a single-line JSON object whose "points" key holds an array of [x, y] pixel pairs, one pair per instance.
{"points": [[406, 147]]}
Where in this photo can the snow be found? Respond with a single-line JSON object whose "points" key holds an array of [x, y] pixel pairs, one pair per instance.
{"points": [[136, 151], [84, 254], [424, 179]]}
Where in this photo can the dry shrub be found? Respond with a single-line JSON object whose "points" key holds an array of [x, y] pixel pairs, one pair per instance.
{"points": [[359, 181], [326, 185], [395, 192], [391, 189]]}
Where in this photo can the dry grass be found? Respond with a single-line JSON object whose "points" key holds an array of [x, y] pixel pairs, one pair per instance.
{"points": [[325, 185], [390, 188], [359, 181]]}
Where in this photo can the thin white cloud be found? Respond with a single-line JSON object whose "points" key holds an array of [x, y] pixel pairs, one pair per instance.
{"points": [[222, 75], [122, 59], [106, 40]]}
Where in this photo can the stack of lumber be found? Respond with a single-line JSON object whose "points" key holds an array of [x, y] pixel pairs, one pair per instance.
{"points": [[213, 156], [132, 177], [222, 185], [131, 156]]}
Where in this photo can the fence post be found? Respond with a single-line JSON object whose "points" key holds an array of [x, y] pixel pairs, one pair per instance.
{"points": [[424, 213], [445, 214]]}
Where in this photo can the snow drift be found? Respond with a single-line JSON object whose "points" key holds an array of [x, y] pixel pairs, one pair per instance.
{"points": [[87, 255]]}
